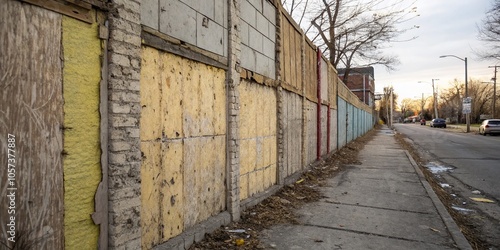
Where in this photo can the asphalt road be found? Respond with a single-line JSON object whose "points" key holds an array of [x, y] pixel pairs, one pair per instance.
{"points": [[475, 158]]}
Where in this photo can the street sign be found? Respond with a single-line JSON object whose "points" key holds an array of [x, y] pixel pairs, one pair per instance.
{"points": [[467, 105]]}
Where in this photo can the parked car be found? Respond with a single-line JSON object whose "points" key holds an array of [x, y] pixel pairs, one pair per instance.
{"points": [[422, 122], [438, 123], [490, 126]]}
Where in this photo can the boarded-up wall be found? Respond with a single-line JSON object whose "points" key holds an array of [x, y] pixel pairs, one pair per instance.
{"points": [[292, 132], [291, 59], [333, 81], [341, 122], [311, 79], [183, 127], [258, 140], [311, 128], [324, 128], [31, 111], [333, 129]]}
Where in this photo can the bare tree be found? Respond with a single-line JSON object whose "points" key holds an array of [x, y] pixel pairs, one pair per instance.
{"points": [[409, 107], [385, 104], [354, 33], [489, 32], [450, 104], [451, 100]]}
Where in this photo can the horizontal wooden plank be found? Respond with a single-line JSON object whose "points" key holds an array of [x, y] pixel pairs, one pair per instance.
{"points": [[77, 9]]}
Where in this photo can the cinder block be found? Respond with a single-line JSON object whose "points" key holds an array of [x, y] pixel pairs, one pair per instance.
{"points": [[263, 67], [269, 49], [257, 4], [209, 35], [207, 8], [248, 58], [221, 13], [245, 33], [269, 12], [262, 24], [248, 13], [178, 20], [255, 39]]}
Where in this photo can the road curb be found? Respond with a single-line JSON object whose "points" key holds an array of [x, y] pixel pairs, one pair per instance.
{"points": [[453, 228]]}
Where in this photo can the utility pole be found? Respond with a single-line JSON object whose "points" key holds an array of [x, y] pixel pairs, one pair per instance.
{"points": [[422, 107], [392, 101], [435, 99], [494, 91]]}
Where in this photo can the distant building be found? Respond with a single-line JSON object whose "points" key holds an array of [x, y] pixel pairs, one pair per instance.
{"points": [[361, 81]]}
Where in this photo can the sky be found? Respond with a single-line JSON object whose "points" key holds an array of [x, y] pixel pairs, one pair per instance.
{"points": [[446, 27]]}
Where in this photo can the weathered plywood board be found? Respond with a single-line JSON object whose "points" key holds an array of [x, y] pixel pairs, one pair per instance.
{"points": [[183, 174], [293, 55], [310, 142], [341, 122], [311, 81], [292, 132], [31, 109], [204, 165], [333, 129], [324, 131], [332, 86], [299, 40], [286, 60], [172, 189], [258, 133], [324, 80]]}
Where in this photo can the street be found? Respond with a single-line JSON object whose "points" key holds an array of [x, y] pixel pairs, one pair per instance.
{"points": [[474, 161]]}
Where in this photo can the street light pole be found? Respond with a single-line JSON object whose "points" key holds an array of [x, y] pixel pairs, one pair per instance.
{"points": [[467, 116], [494, 90]]}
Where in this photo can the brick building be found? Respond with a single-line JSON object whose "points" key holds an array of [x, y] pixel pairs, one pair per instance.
{"points": [[361, 81]]}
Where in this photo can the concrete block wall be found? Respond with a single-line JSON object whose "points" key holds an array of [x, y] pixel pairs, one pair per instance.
{"points": [[203, 24], [258, 36]]}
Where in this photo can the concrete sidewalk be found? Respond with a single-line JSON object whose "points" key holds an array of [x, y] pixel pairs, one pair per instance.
{"points": [[384, 203]]}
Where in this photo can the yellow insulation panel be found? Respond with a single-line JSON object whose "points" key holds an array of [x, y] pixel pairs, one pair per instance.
{"points": [[82, 169]]}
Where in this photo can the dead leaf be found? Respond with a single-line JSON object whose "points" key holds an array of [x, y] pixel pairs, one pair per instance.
{"points": [[481, 200]]}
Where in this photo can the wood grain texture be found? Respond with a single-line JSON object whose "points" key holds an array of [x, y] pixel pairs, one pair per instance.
{"points": [[31, 109]]}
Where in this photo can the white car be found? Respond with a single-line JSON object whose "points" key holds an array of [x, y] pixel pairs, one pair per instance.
{"points": [[490, 126]]}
